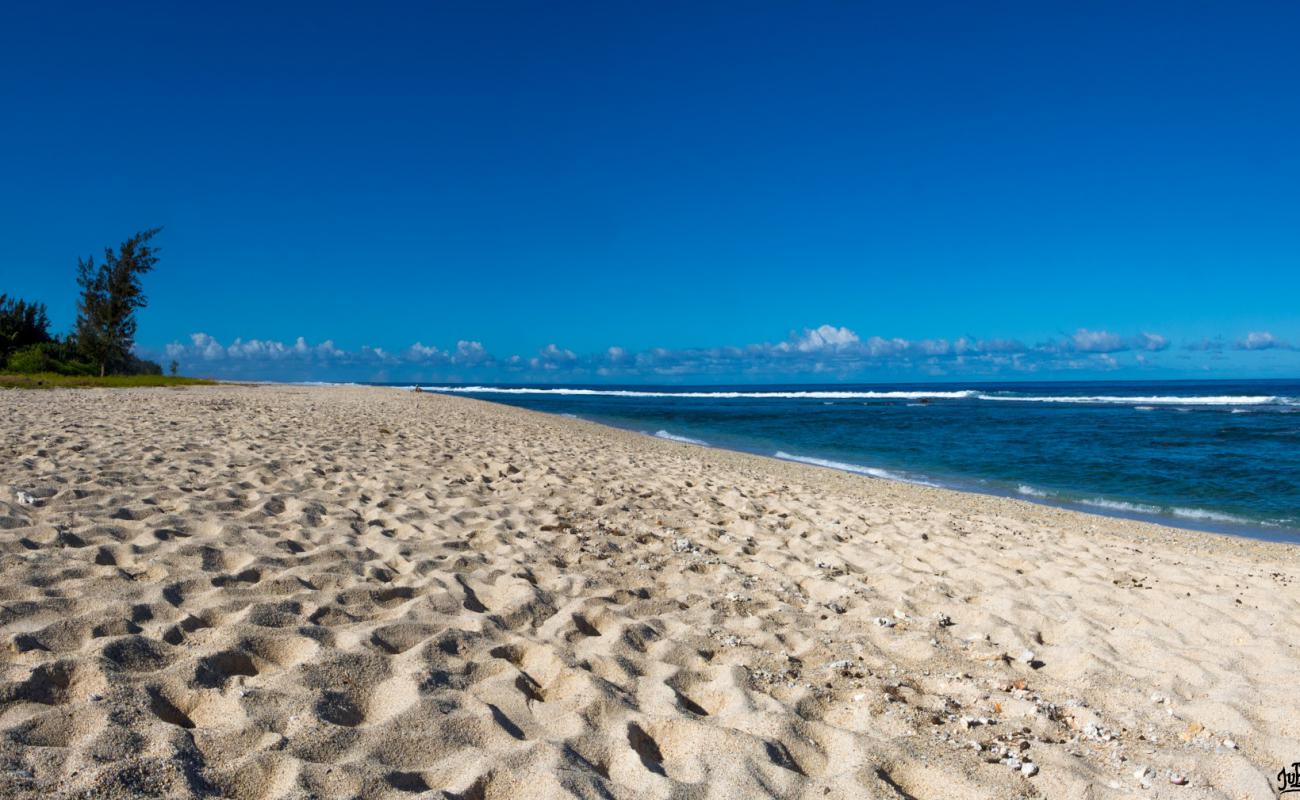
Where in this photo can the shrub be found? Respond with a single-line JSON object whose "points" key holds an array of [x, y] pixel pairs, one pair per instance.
{"points": [[56, 356], [31, 359], [21, 324]]}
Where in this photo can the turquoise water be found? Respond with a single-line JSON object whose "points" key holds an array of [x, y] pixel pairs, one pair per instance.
{"points": [[1213, 455]]}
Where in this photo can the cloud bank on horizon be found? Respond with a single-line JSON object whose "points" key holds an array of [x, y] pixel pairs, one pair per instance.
{"points": [[826, 353]]}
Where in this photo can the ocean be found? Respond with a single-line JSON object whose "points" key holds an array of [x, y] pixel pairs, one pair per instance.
{"points": [[1222, 456]]}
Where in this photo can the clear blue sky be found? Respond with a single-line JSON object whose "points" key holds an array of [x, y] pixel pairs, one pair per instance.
{"points": [[682, 176]]}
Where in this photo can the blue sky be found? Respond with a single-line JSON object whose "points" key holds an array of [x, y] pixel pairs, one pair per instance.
{"points": [[1014, 190]]}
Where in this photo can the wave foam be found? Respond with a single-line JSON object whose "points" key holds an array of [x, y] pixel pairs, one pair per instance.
{"points": [[874, 472], [1212, 516], [1151, 510], [1120, 505], [672, 437], [730, 395], [1141, 402], [1155, 400]]}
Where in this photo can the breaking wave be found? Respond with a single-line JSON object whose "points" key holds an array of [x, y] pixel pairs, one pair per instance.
{"points": [[1141, 402], [874, 472], [727, 395], [1120, 505], [672, 437], [1201, 514], [1157, 400]]}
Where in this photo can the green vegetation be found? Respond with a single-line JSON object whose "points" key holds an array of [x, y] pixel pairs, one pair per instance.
{"points": [[110, 294], [54, 380], [98, 352], [22, 324]]}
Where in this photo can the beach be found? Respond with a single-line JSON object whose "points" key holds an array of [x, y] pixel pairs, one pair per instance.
{"points": [[284, 591]]}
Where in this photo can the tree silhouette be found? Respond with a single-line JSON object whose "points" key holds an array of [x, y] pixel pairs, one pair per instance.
{"points": [[21, 324], [110, 294]]}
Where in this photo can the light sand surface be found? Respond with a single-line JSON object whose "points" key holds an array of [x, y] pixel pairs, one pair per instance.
{"points": [[282, 592]]}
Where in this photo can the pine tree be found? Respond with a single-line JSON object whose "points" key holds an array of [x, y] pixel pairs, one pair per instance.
{"points": [[110, 294]]}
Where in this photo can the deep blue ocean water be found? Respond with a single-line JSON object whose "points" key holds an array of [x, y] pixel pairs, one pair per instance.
{"points": [[1213, 455]]}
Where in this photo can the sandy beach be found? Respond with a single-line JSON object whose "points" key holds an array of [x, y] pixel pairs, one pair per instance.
{"points": [[290, 592]]}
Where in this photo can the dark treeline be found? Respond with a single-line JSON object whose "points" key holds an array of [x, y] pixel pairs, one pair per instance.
{"points": [[101, 341]]}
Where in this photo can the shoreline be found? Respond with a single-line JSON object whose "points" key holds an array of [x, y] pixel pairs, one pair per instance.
{"points": [[1138, 525], [1245, 529], [278, 591]]}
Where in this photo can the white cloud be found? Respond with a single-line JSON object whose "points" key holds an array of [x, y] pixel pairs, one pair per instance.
{"points": [[421, 352], [1151, 342], [257, 349], [827, 351], [934, 347], [1086, 341], [1260, 340], [557, 354], [468, 352], [206, 346], [552, 357], [878, 347], [825, 337]]}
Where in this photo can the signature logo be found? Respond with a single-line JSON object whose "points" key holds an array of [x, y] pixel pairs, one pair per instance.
{"points": [[1289, 780]]}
